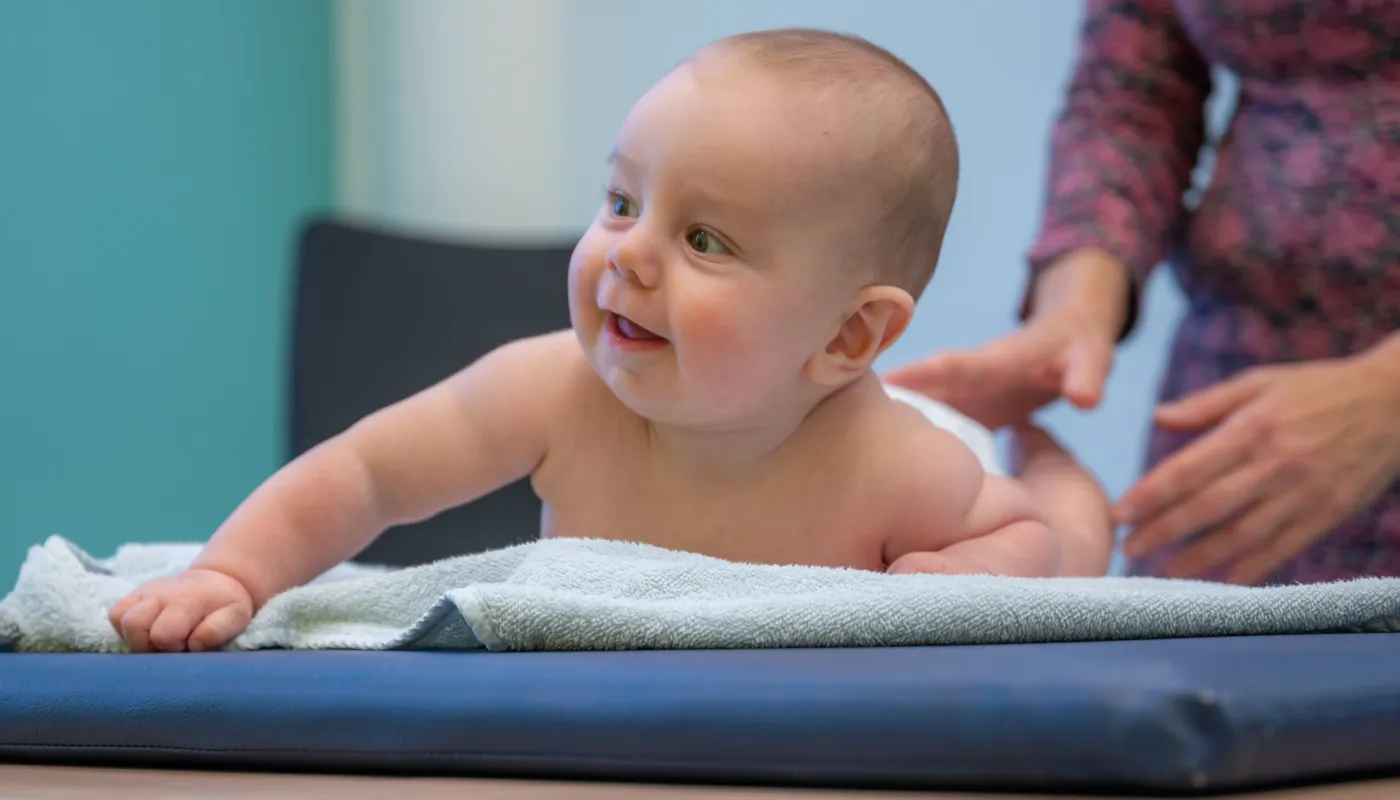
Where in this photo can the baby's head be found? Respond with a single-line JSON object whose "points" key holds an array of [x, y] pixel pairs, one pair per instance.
{"points": [[774, 207]]}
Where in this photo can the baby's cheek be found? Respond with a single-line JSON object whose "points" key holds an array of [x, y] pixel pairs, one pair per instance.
{"points": [[728, 340], [710, 326], [585, 270]]}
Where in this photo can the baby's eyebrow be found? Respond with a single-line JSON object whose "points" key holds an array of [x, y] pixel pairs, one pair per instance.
{"points": [[622, 161]]}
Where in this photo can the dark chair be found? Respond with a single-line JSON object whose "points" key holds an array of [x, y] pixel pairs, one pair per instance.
{"points": [[380, 315]]}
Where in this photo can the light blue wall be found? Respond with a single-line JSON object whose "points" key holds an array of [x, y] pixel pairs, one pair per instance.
{"points": [[155, 157]]}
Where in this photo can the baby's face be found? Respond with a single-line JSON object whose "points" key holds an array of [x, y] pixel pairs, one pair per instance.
{"points": [[714, 269]]}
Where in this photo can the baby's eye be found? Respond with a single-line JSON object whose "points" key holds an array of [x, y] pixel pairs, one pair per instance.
{"points": [[620, 206], [705, 242]]}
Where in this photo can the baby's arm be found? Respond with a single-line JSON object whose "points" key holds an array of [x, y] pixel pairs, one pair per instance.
{"points": [[474, 432], [956, 518], [1071, 500]]}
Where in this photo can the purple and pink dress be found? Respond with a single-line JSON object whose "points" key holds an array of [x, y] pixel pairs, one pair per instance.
{"points": [[1292, 252]]}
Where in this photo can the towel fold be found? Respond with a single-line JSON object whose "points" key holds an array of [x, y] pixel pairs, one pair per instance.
{"points": [[578, 594]]}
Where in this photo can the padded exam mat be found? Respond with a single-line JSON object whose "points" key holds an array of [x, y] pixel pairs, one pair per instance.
{"points": [[1165, 715]]}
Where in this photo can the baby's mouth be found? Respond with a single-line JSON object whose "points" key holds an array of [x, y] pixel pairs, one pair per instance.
{"points": [[627, 329]]}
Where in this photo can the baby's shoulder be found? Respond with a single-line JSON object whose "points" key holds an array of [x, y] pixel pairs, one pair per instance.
{"points": [[546, 351], [920, 460], [551, 363], [921, 438], [545, 377], [586, 412], [927, 477]]}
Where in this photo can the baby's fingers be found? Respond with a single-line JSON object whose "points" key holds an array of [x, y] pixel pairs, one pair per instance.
{"points": [[135, 624], [924, 562], [218, 628], [174, 625], [118, 611]]}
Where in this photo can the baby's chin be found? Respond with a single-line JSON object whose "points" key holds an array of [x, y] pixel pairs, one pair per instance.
{"points": [[659, 390], [635, 389], [653, 397]]}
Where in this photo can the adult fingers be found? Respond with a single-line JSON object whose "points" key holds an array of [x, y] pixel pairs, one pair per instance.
{"points": [[931, 376], [1213, 503], [1183, 474], [1244, 534], [1213, 403], [1010, 358], [1277, 550]]}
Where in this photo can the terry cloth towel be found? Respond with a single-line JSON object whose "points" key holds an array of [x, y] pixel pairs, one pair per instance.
{"points": [[579, 594]]}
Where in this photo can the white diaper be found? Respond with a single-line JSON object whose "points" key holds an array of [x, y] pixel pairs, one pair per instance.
{"points": [[971, 432]]}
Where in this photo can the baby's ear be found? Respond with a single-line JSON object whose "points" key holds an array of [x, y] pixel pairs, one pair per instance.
{"points": [[877, 318]]}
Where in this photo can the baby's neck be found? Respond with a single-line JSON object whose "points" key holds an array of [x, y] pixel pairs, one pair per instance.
{"points": [[743, 451]]}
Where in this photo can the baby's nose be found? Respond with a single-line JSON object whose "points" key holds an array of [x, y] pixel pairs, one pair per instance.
{"points": [[634, 261]]}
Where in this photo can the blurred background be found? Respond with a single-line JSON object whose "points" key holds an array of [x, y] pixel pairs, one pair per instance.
{"points": [[158, 158]]}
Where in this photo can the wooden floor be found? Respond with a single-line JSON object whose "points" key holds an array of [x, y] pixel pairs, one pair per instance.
{"points": [[52, 783]]}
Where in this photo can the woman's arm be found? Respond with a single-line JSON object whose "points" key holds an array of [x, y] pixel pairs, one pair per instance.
{"points": [[1122, 153], [1384, 362]]}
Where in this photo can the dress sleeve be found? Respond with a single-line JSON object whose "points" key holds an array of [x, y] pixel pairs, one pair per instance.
{"points": [[1126, 141]]}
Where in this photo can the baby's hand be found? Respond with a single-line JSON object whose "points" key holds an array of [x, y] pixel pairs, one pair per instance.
{"points": [[197, 610]]}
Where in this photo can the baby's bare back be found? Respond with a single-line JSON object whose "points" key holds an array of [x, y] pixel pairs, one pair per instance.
{"points": [[826, 501]]}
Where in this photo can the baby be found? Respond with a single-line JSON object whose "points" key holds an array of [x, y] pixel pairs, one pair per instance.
{"points": [[773, 208]]}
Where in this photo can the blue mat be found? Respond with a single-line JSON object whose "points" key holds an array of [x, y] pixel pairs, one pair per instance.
{"points": [[1178, 715]]}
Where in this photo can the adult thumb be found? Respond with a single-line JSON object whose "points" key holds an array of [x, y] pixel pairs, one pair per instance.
{"points": [[1087, 363]]}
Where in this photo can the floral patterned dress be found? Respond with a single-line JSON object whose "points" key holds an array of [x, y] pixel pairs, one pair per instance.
{"points": [[1292, 252]]}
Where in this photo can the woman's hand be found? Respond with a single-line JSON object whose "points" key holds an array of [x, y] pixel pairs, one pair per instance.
{"points": [[1293, 451], [1003, 383], [1064, 350]]}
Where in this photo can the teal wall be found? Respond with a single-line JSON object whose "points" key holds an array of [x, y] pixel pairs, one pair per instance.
{"points": [[155, 159]]}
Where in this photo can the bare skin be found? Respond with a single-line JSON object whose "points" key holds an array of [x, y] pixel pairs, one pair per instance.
{"points": [[863, 483], [868, 484], [715, 394]]}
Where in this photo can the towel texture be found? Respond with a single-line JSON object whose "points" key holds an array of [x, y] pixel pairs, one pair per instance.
{"points": [[573, 594]]}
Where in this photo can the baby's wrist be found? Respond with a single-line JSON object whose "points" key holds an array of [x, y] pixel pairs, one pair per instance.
{"points": [[234, 576]]}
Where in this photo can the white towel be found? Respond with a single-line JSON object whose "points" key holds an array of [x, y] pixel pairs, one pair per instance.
{"points": [[578, 594]]}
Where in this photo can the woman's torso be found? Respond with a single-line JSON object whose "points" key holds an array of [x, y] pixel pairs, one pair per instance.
{"points": [[1297, 234], [1293, 252]]}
